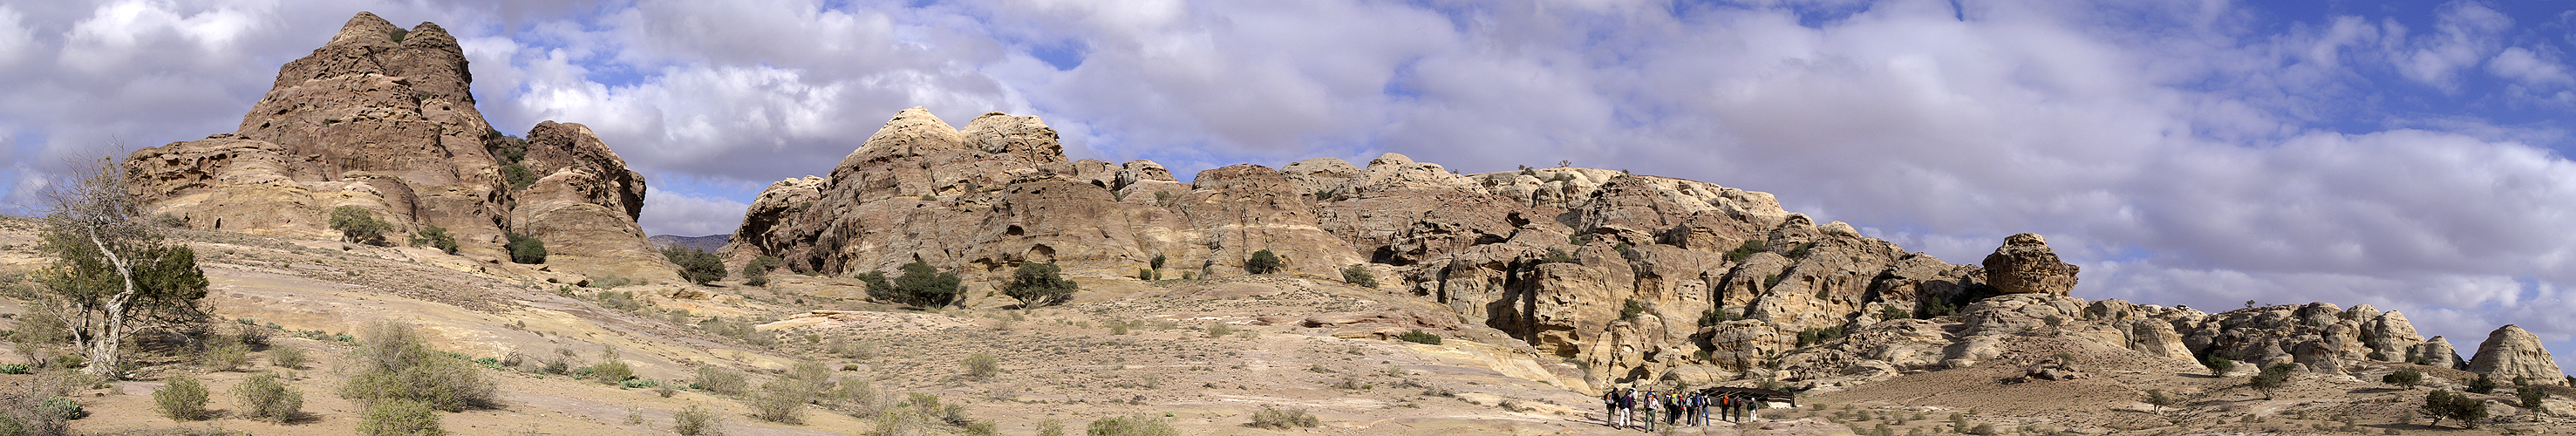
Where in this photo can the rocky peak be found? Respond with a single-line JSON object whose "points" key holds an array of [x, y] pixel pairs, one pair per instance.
{"points": [[2024, 265], [2510, 353], [383, 119]]}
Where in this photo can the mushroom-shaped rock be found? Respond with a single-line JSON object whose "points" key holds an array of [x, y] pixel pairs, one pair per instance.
{"points": [[2025, 265]]}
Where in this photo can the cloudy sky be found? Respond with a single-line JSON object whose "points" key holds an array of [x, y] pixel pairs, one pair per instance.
{"points": [[2405, 154]]}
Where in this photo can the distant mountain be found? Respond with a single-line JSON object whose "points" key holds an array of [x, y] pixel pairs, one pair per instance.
{"points": [[708, 243]]}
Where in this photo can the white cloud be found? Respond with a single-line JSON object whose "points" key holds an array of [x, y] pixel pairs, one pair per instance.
{"points": [[2530, 68], [2465, 33], [669, 213]]}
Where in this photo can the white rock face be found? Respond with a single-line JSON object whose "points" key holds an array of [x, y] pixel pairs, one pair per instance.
{"points": [[2511, 352]]}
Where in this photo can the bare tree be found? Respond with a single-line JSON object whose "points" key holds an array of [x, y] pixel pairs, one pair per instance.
{"points": [[113, 275]]}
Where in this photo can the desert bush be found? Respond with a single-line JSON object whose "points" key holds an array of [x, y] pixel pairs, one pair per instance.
{"points": [[435, 237], [2219, 365], [358, 225], [2530, 396], [1264, 262], [518, 176], [2442, 404], [1630, 309], [2157, 397], [1420, 337], [1283, 419], [756, 273], [525, 249], [698, 266], [721, 381], [396, 364], [265, 397], [696, 420], [400, 417], [982, 366], [181, 398], [920, 286], [1039, 284], [611, 372], [2404, 378], [61, 409], [1893, 312], [1138, 425], [1220, 330], [1359, 275], [15, 368], [781, 401], [229, 356], [2482, 385], [2273, 378]]}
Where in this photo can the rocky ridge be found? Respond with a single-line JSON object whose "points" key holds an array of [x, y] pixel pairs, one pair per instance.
{"points": [[383, 118], [1627, 277]]}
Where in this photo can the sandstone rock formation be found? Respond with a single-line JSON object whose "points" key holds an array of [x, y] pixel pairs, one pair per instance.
{"points": [[2025, 265], [2511, 353], [1635, 277], [383, 118]]}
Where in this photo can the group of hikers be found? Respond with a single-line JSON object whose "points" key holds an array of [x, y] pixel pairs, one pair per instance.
{"points": [[1629, 407]]}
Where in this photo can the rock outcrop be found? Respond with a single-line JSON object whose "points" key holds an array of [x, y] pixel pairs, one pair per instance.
{"points": [[1635, 277], [383, 118], [2025, 265], [2511, 353]]}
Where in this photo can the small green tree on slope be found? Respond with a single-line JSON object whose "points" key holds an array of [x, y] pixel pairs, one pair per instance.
{"points": [[1039, 284], [112, 275]]}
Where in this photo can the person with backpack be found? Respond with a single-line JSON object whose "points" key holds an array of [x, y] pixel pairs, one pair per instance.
{"points": [[1627, 407]]}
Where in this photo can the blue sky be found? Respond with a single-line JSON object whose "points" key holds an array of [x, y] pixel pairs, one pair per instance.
{"points": [[2409, 155]]}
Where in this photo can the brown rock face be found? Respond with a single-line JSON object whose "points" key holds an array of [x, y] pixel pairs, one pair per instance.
{"points": [[389, 125], [2025, 265], [2512, 353]]}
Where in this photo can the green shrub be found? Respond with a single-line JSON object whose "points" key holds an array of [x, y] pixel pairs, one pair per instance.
{"points": [[2482, 385], [526, 249], [1893, 312], [1138, 425], [229, 356], [1359, 275], [696, 420], [181, 398], [756, 273], [920, 286], [982, 366], [1556, 256], [2218, 365], [1630, 309], [611, 372], [697, 266], [358, 225], [396, 364], [61, 409], [397, 34], [2530, 396], [1283, 419], [1419, 337], [518, 176], [1817, 336], [436, 237], [2404, 378], [721, 381], [1264, 262], [264, 397], [2444, 404], [15, 368], [400, 418], [780, 401], [2273, 378], [1039, 284]]}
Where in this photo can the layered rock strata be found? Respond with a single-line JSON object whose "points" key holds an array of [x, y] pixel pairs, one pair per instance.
{"points": [[382, 118]]}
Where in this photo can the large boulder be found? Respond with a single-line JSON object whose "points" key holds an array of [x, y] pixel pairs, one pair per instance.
{"points": [[2511, 353], [2025, 265]]}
